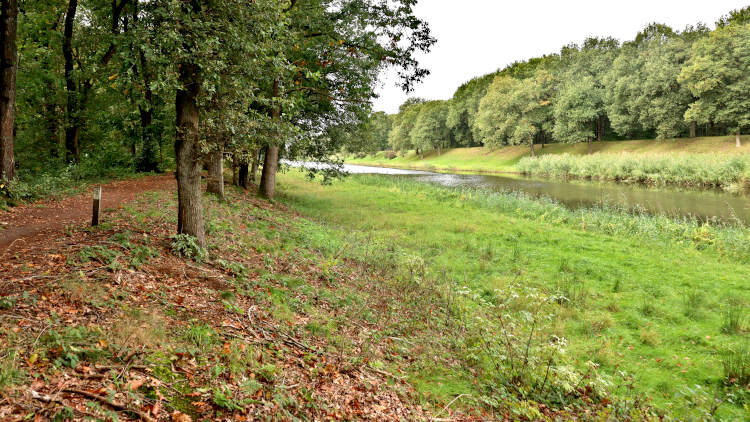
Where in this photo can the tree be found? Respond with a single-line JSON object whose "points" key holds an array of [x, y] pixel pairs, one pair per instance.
{"points": [[580, 109], [643, 94], [400, 137], [8, 70], [338, 49], [462, 110], [718, 75], [430, 130], [517, 111]]}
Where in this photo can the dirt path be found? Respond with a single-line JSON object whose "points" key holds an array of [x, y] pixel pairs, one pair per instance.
{"points": [[28, 226]]}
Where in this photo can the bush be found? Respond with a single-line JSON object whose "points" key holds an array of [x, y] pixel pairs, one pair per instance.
{"points": [[186, 246]]}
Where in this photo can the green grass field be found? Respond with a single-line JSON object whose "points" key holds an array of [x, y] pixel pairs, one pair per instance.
{"points": [[505, 159], [657, 304]]}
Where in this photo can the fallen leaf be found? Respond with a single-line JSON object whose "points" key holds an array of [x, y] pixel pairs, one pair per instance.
{"points": [[178, 416], [133, 385]]}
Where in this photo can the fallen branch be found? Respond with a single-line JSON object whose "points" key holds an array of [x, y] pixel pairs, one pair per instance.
{"points": [[114, 405]]}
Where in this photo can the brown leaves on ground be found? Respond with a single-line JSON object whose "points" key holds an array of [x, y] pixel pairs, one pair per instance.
{"points": [[161, 340]]}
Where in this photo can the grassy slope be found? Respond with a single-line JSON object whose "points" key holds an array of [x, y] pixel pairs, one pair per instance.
{"points": [[504, 159], [652, 308]]}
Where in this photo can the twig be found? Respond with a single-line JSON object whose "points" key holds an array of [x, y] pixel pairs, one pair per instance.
{"points": [[114, 405], [384, 373], [449, 405]]}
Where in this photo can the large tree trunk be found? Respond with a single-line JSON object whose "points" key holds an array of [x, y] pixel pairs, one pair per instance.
{"points": [[8, 71], [267, 188], [440, 150], [692, 127], [738, 139], [215, 183], [188, 155], [531, 145], [72, 124]]}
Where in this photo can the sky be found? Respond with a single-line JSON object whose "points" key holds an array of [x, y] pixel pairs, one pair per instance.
{"points": [[476, 37]]}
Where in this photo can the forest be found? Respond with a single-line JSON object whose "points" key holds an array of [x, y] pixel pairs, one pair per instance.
{"points": [[665, 83], [95, 88]]}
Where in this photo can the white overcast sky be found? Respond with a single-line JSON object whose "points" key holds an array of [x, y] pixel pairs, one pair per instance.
{"points": [[476, 37]]}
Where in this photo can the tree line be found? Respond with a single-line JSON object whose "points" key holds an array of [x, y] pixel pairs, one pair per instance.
{"points": [[194, 84], [662, 84]]}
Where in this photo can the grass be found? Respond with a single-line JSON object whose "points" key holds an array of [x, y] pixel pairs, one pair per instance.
{"points": [[616, 282], [504, 160], [700, 170]]}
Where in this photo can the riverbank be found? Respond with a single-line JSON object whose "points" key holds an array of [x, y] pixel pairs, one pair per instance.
{"points": [[505, 160], [649, 301]]}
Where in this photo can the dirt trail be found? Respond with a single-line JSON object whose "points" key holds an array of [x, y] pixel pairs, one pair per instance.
{"points": [[29, 225]]}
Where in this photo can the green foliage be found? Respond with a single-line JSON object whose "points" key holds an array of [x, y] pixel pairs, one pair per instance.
{"points": [[70, 345], [187, 246], [10, 373], [716, 75], [429, 131], [516, 111], [502, 254]]}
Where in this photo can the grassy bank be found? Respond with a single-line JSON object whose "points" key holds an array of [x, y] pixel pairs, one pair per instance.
{"points": [[699, 170], [282, 318], [654, 307], [506, 159]]}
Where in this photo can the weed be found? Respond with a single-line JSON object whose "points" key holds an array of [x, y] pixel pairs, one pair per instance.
{"points": [[736, 364], [201, 335], [267, 373], [100, 254], [733, 317], [141, 255], [10, 374], [693, 304], [186, 246]]}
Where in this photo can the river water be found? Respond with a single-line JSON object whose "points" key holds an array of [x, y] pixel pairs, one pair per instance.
{"points": [[702, 204]]}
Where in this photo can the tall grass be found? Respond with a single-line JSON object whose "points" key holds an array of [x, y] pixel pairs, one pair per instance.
{"points": [[727, 239], [701, 170]]}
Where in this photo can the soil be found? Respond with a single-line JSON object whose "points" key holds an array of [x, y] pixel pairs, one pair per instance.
{"points": [[30, 225]]}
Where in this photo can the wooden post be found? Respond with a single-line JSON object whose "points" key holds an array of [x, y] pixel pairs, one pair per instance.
{"points": [[97, 206]]}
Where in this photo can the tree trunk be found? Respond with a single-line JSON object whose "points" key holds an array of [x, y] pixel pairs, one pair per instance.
{"points": [[531, 145], [8, 71], [693, 126], [600, 129], [591, 147], [148, 158], [72, 125], [188, 155], [243, 175], [235, 169], [254, 169], [267, 187], [738, 139], [440, 150], [215, 183]]}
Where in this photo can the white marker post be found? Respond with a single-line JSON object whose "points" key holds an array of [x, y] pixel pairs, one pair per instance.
{"points": [[97, 206]]}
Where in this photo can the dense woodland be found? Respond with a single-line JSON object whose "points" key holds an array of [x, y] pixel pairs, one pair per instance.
{"points": [[92, 85], [665, 83]]}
